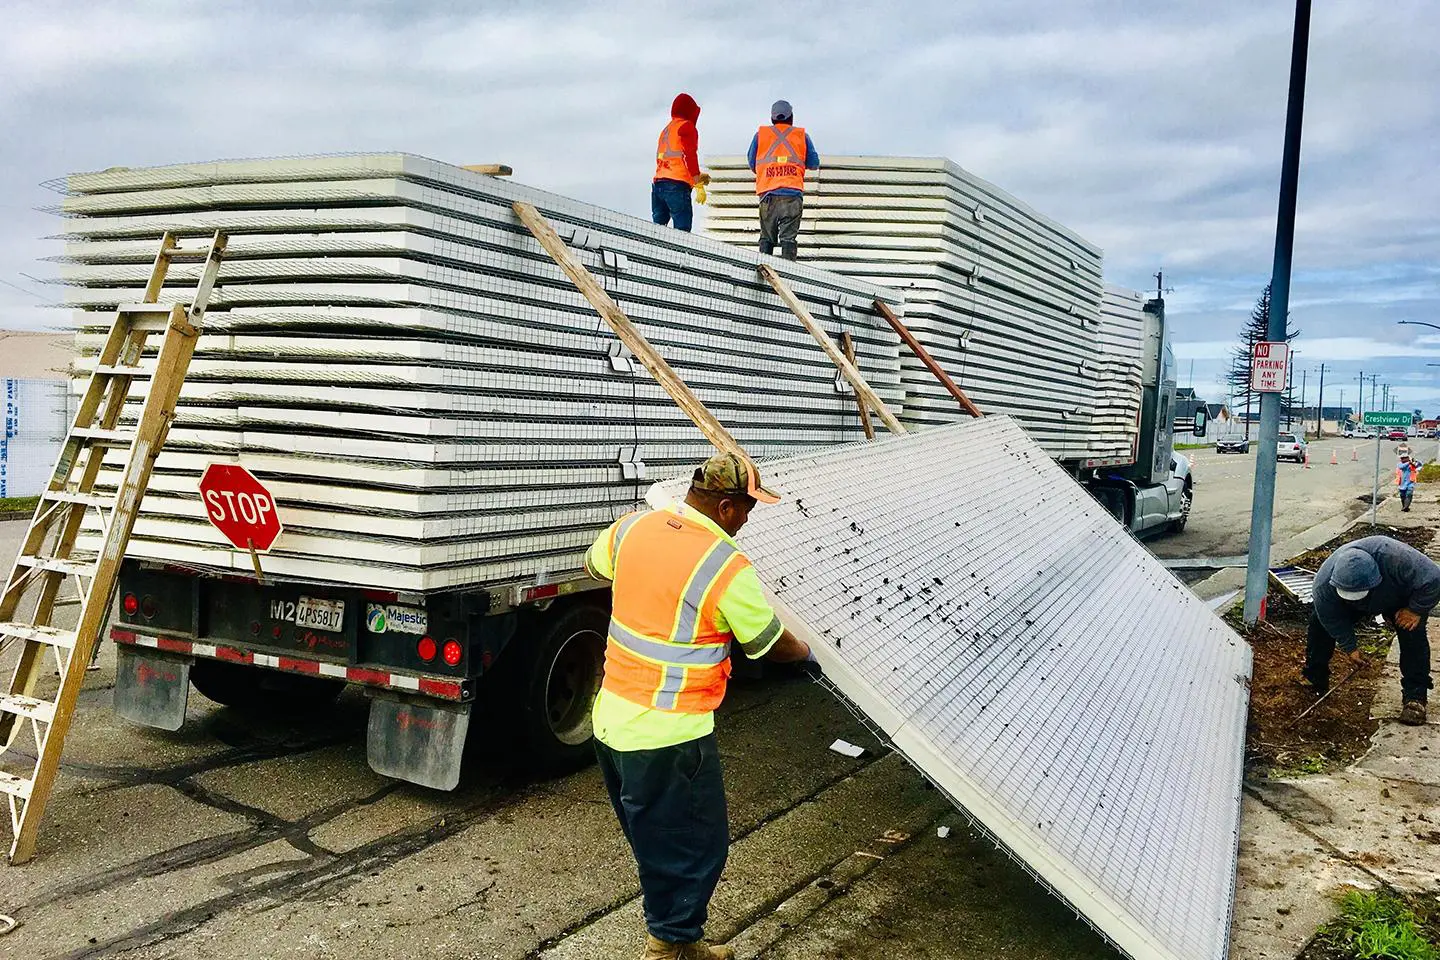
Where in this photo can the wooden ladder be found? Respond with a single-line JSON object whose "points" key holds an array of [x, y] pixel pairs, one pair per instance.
{"points": [[46, 561]]}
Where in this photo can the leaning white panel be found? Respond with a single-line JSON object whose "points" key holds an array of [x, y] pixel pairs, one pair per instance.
{"points": [[1030, 658]]}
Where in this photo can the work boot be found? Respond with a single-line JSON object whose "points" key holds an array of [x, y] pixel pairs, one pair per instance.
{"points": [[790, 251], [1413, 713], [1302, 681], [657, 949], [766, 247]]}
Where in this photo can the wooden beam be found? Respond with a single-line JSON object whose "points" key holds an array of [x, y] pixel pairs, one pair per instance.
{"points": [[929, 361], [490, 169], [848, 342], [628, 333], [857, 380]]}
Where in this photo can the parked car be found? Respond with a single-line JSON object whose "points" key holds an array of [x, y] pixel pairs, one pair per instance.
{"points": [[1290, 446], [1397, 434], [1235, 443]]}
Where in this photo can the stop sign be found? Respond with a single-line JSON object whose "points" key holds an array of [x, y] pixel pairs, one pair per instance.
{"points": [[239, 506]]}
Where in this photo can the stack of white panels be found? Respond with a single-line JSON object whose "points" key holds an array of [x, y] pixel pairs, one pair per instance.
{"points": [[1032, 659], [430, 399], [1116, 421], [1007, 300]]}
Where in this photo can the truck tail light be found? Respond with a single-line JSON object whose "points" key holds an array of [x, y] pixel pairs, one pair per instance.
{"points": [[130, 604], [451, 651], [148, 608], [425, 649]]}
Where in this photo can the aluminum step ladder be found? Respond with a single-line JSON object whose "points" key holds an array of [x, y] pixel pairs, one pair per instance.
{"points": [[46, 560]]}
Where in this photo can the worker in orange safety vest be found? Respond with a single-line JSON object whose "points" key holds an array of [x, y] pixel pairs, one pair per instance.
{"points": [[677, 166], [682, 590], [780, 153]]}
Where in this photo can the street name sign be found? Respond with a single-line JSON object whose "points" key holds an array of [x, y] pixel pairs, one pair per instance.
{"points": [[1268, 362], [1384, 418]]}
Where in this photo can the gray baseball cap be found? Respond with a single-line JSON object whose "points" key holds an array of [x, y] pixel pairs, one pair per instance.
{"points": [[1355, 573], [781, 110]]}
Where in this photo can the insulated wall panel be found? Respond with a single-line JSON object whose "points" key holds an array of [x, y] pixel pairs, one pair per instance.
{"points": [[1007, 300], [425, 391], [1032, 659]]}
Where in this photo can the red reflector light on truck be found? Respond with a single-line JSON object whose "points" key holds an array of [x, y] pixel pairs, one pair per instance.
{"points": [[425, 649], [148, 608], [451, 652], [130, 604]]}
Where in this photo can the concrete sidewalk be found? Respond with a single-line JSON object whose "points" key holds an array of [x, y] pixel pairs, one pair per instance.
{"points": [[1375, 823]]}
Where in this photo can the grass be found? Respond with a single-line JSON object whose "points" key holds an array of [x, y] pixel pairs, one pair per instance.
{"points": [[1429, 473], [1374, 925], [22, 504], [1193, 446]]}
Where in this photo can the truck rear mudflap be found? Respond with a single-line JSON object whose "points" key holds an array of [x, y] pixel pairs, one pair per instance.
{"points": [[417, 725]]}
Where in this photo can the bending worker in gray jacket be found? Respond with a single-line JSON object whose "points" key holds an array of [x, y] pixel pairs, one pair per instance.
{"points": [[1376, 575]]}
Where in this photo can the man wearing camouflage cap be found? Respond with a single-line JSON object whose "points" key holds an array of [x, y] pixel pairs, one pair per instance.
{"points": [[682, 590]]}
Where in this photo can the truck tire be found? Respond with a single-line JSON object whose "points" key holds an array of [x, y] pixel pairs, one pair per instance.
{"points": [[257, 689], [1187, 500], [546, 682]]}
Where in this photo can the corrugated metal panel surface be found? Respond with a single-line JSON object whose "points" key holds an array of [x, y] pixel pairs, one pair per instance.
{"points": [[1032, 659], [430, 398], [1006, 299]]}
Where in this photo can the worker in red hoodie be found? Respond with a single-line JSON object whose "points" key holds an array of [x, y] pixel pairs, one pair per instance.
{"points": [[677, 166]]}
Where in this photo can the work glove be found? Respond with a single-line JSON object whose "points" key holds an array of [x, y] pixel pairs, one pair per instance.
{"points": [[1407, 619], [700, 195], [702, 180]]}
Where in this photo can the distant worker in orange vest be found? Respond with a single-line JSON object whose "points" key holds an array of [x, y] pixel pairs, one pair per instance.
{"points": [[677, 166], [1405, 475], [780, 153], [682, 590]]}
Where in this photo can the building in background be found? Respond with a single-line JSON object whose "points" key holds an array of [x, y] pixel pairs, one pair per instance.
{"points": [[35, 378]]}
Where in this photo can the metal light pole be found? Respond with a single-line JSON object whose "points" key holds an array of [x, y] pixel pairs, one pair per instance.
{"points": [[1262, 512], [1320, 407]]}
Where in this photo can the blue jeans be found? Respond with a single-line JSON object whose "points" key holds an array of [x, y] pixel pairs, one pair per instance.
{"points": [[670, 200], [671, 807]]}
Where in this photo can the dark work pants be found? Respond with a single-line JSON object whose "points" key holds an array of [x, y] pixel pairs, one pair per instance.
{"points": [[1414, 658], [671, 806], [780, 224], [670, 200], [1406, 495]]}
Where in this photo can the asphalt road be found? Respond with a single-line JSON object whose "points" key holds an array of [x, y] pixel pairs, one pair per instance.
{"points": [[242, 837], [1224, 487]]}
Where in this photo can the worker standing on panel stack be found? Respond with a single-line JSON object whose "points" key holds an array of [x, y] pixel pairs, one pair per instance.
{"points": [[780, 153], [1375, 575], [677, 166], [681, 591]]}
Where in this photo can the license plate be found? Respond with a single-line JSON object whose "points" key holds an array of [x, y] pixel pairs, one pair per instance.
{"points": [[320, 614]]}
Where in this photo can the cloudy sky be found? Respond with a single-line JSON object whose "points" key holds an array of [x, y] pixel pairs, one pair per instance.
{"points": [[1153, 129]]}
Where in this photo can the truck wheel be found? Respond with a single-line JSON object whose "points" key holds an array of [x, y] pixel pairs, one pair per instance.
{"points": [[1187, 499], [549, 685], [256, 689]]}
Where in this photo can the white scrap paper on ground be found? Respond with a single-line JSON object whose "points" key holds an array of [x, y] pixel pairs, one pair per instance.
{"points": [[942, 832], [847, 748]]}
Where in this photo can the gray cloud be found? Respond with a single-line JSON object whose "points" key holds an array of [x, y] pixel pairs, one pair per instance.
{"points": [[1152, 129]]}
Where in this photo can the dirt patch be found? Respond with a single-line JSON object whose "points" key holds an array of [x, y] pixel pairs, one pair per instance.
{"points": [[1337, 731]]}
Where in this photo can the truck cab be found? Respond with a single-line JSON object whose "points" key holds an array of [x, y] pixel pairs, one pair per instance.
{"points": [[1153, 494]]}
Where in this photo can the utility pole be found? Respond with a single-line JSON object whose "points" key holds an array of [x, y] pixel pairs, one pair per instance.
{"points": [[1320, 407], [1304, 376], [1262, 513]]}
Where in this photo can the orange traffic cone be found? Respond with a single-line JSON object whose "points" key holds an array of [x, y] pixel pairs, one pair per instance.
{"points": [[1307, 459], [1354, 453], [1334, 458]]}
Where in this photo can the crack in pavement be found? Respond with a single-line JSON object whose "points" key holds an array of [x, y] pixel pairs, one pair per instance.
{"points": [[309, 878]]}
